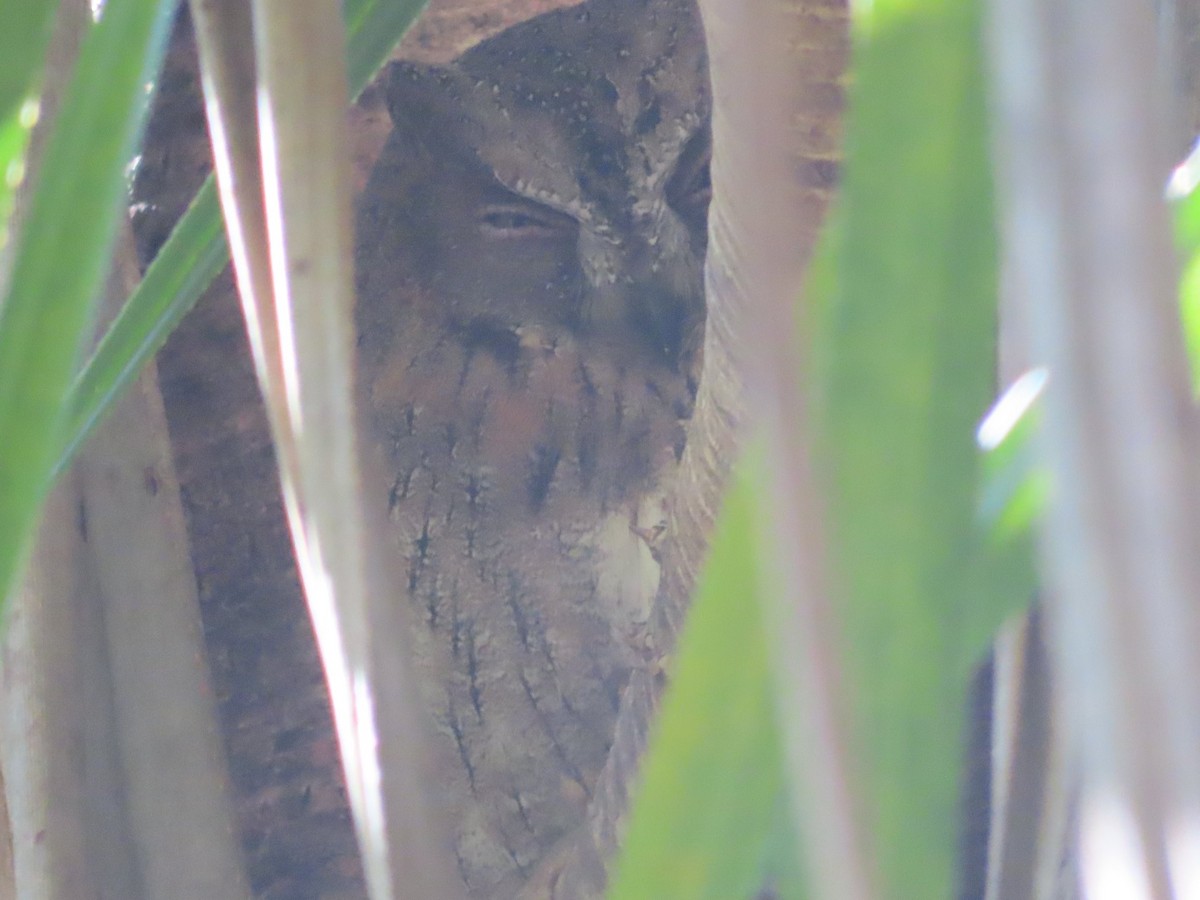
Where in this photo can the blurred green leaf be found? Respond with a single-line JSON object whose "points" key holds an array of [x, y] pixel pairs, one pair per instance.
{"points": [[707, 817], [932, 537], [373, 28], [1183, 191], [197, 250], [25, 27], [910, 336], [192, 256], [63, 253], [1016, 484], [14, 137], [1013, 494]]}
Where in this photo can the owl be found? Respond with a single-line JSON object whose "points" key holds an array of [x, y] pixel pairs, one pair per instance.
{"points": [[530, 313]]}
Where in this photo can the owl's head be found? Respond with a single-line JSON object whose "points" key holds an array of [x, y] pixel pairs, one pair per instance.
{"points": [[554, 178]]}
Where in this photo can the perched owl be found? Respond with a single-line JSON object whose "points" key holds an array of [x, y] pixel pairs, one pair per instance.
{"points": [[530, 312]]}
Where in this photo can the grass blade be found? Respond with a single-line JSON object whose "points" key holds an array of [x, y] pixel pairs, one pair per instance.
{"points": [[25, 27], [14, 138], [191, 258], [373, 28], [197, 251], [910, 369], [704, 821], [1182, 189], [76, 205]]}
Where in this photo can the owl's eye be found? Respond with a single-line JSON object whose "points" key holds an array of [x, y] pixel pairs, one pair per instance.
{"points": [[516, 221]]}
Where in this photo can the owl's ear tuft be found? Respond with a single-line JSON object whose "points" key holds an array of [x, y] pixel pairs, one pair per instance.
{"points": [[417, 94]]}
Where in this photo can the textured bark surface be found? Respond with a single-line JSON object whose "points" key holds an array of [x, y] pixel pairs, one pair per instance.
{"points": [[293, 816]]}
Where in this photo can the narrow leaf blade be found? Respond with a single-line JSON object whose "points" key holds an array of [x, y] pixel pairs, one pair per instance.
{"points": [[76, 205], [197, 250], [910, 356], [706, 818]]}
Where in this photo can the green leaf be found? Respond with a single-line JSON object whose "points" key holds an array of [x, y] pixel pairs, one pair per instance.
{"points": [[25, 27], [373, 28], [197, 250], [1185, 195], [1012, 497], [192, 256], [1016, 483], [62, 254], [14, 138], [707, 817], [909, 370]]}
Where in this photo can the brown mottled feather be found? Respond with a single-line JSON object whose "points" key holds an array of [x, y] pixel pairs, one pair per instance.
{"points": [[530, 307]]}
